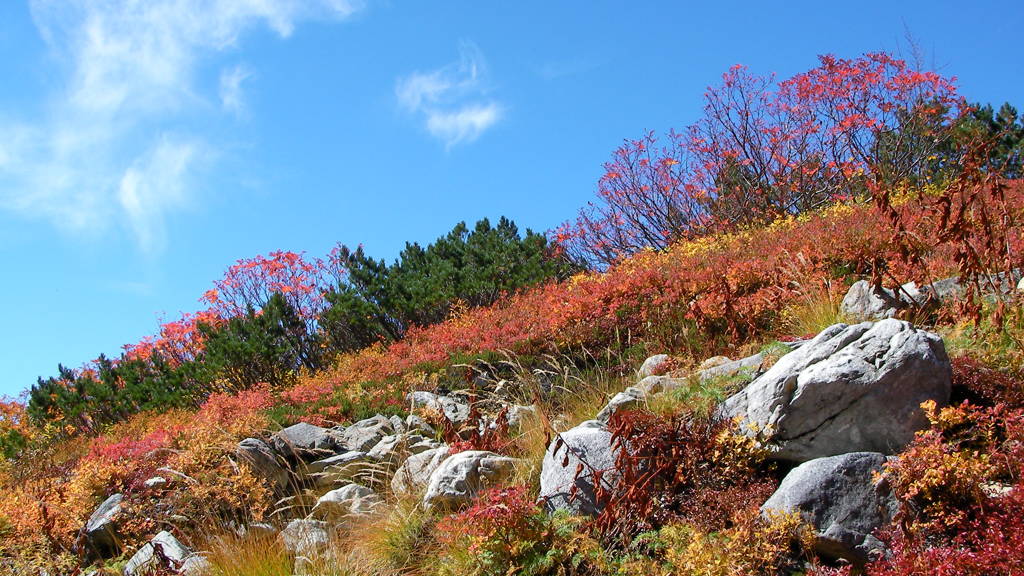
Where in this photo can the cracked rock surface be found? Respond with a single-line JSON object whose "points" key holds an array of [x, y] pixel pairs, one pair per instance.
{"points": [[851, 389]]}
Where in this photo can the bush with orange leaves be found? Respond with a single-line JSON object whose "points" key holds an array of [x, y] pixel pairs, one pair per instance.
{"points": [[947, 473], [506, 532], [46, 500]]}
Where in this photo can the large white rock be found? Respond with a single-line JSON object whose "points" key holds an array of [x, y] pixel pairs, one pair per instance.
{"points": [[843, 500], [589, 444], [461, 476], [414, 474], [850, 389]]}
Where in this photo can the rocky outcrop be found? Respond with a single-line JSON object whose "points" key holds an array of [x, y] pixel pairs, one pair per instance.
{"points": [[365, 434], [457, 412], [866, 302], [414, 423], [100, 532], [264, 462], [341, 469], [414, 474], [461, 476], [629, 399], [561, 488], [844, 502], [394, 449], [350, 500], [306, 441], [518, 415], [852, 388]]}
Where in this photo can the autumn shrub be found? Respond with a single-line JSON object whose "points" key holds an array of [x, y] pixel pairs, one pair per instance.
{"points": [[750, 545], [506, 532], [946, 475], [990, 544], [665, 463], [764, 149], [978, 382]]}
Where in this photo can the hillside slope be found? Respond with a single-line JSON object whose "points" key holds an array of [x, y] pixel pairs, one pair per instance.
{"points": [[492, 397]]}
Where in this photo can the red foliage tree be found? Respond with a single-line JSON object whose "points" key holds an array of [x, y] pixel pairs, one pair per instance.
{"points": [[764, 149], [249, 284]]}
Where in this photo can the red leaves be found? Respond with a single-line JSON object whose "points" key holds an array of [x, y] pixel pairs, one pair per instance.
{"points": [[763, 150], [662, 465]]}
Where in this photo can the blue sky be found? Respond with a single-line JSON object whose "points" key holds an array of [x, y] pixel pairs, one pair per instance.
{"points": [[147, 145]]}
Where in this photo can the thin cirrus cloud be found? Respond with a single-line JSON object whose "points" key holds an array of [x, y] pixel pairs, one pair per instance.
{"points": [[113, 147], [232, 96], [452, 100]]}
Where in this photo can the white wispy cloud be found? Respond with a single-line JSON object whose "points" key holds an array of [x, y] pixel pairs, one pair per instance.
{"points": [[232, 98], [452, 100], [153, 185], [130, 73]]}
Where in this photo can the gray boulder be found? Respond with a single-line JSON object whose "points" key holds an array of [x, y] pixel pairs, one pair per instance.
{"points": [[195, 565], [840, 497], [100, 533], [398, 425], [518, 415], [147, 559], [341, 469], [365, 434], [589, 444], [629, 399], [414, 423], [305, 537], [342, 459], [864, 302], [350, 500], [852, 388], [457, 412], [396, 448], [650, 366], [306, 441], [658, 384], [742, 369], [751, 365], [264, 462], [414, 474], [461, 476]]}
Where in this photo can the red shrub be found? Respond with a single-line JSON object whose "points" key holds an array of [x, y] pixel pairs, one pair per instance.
{"points": [[668, 467], [500, 519], [980, 383]]}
